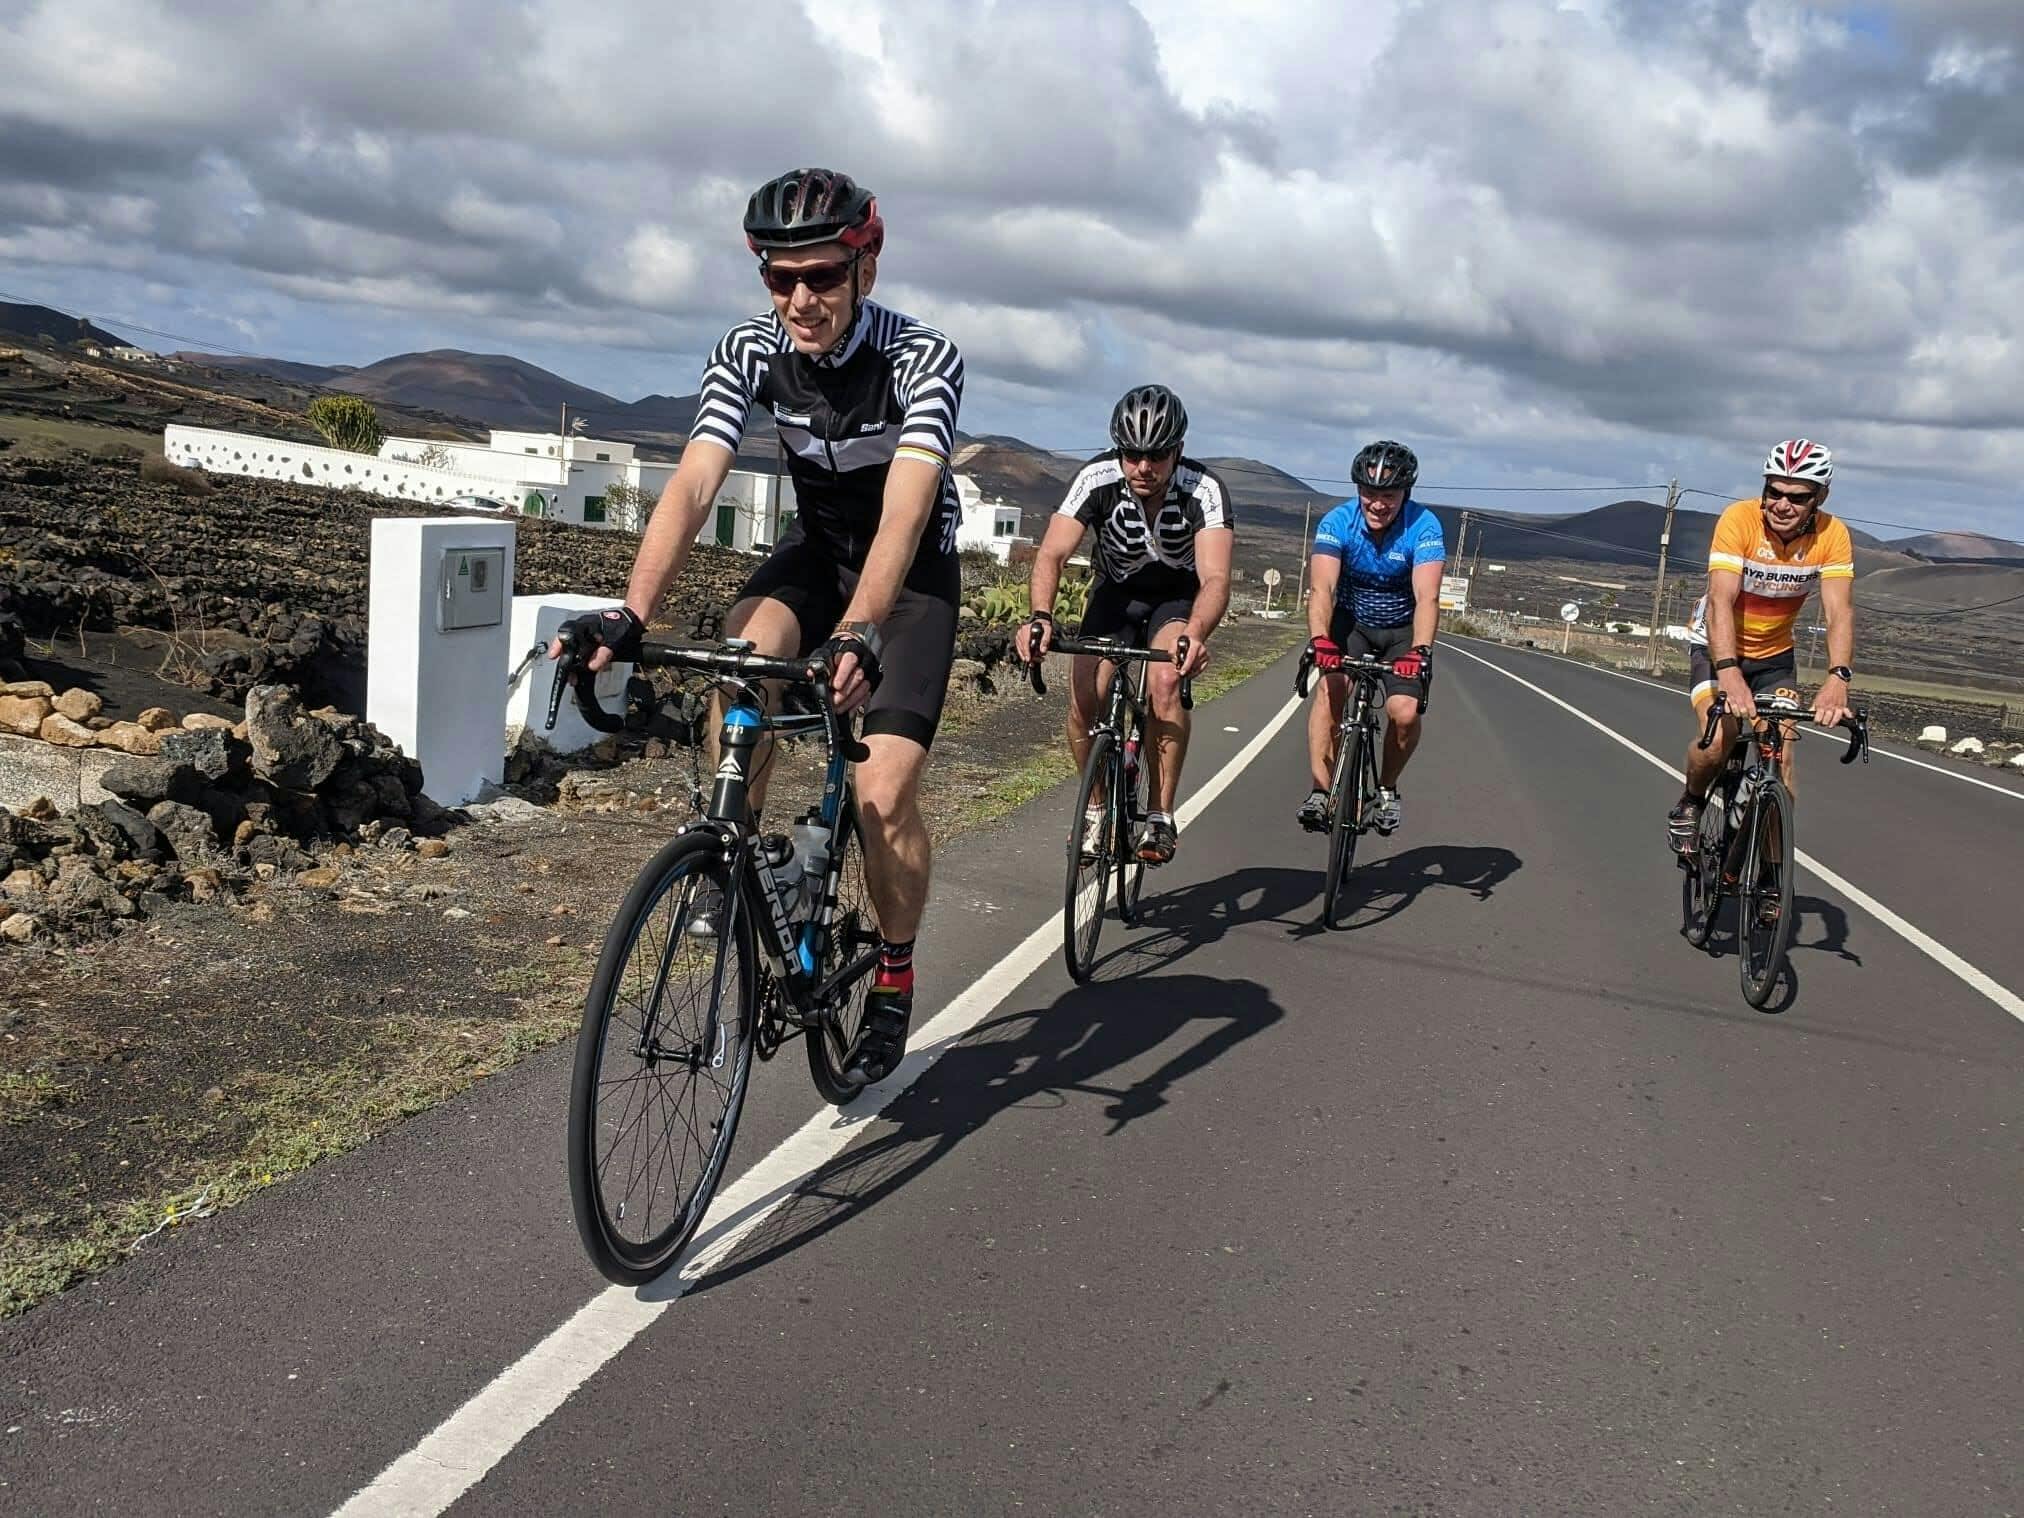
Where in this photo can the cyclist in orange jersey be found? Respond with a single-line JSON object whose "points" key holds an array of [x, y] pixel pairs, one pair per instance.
{"points": [[1767, 554]]}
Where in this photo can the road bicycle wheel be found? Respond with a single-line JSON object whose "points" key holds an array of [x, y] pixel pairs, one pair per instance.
{"points": [[1346, 811], [1089, 873], [1701, 878], [1764, 899], [1131, 870], [662, 1062], [850, 944]]}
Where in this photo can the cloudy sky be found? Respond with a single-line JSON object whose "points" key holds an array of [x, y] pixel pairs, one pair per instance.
{"points": [[1588, 244]]}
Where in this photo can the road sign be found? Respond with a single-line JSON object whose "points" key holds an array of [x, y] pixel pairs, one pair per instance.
{"points": [[1454, 592], [1570, 612], [1271, 577]]}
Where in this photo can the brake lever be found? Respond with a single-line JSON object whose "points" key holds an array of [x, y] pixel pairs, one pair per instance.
{"points": [[1187, 681]]}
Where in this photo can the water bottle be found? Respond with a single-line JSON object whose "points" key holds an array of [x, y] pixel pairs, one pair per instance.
{"points": [[1740, 800], [811, 848]]}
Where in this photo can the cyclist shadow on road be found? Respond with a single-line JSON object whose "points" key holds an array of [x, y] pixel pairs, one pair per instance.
{"points": [[1386, 887], [1173, 924], [1060, 1057]]}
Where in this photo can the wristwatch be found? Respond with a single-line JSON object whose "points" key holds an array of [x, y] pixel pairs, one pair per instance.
{"points": [[1841, 672], [1722, 664]]}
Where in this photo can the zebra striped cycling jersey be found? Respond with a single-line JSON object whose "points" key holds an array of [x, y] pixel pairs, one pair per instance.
{"points": [[1128, 542], [892, 389]]}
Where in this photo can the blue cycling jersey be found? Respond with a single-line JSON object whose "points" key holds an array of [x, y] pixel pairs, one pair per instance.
{"points": [[1376, 582]]}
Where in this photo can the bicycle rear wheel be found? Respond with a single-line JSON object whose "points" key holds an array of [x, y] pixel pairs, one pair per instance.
{"points": [[1131, 870], [1764, 899], [852, 942], [662, 1062], [1701, 879], [1089, 873], [1346, 811]]}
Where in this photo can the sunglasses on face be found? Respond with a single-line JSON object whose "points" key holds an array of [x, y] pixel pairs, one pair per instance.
{"points": [[1139, 456], [820, 278], [1796, 497]]}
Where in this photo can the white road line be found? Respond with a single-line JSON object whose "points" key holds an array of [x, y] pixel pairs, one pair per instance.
{"points": [[1924, 942], [1674, 690], [455, 1456]]}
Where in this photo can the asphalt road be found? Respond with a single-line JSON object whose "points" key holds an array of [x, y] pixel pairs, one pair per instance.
{"points": [[1499, 1200]]}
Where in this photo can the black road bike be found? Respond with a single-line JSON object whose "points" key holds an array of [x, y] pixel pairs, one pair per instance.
{"points": [[728, 944], [1745, 845], [1352, 786], [1114, 782]]}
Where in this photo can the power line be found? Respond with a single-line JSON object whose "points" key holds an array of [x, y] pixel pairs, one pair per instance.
{"points": [[133, 326], [1865, 521]]}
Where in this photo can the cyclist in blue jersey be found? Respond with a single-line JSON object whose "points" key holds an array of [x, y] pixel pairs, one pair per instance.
{"points": [[1375, 588]]}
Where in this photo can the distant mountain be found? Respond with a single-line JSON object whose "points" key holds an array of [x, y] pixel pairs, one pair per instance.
{"points": [[273, 368], [1959, 545], [494, 389], [1917, 587], [33, 323]]}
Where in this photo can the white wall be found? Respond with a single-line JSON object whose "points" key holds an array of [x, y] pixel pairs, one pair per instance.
{"points": [[309, 464]]}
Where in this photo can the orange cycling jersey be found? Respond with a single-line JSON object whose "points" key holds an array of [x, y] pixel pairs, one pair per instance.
{"points": [[1776, 575]]}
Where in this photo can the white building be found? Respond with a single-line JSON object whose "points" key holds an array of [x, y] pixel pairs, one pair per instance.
{"points": [[534, 473], [987, 524]]}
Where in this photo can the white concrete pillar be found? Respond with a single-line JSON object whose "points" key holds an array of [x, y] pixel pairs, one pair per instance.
{"points": [[535, 619], [437, 645]]}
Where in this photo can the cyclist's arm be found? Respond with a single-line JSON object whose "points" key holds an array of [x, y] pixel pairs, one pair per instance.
{"points": [[1837, 603], [1426, 602], [1063, 536], [913, 486], [1212, 567], [1724, 586], [671, 530], [1323, 571]]}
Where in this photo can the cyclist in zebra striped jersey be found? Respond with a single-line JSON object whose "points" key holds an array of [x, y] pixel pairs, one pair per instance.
{"points": [[865, 402], [1164, 536]]}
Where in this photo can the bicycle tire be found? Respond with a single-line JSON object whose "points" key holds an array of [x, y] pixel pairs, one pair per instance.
{"points": [[1131, 870], [852, 930], [1701, 880], [1089, 876], [617, 1093], [1345, 820], [1764, 945]]}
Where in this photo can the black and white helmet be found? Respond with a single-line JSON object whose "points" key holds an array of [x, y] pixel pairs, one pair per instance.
{"points": [[1149, 419], [1385, 465]]}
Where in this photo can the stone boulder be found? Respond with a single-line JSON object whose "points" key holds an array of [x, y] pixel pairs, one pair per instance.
{"points": [[146, 781], [66, 732], [143, 839], [1965, 746], [78, 705], [81, 891], [294, 751], [1934, 734], [188, 830], [197, 722], [209, 751], [130, 738], [157, 719], [24, 715]]}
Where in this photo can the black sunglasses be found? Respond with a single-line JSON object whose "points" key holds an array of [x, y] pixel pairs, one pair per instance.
{"points": [[820, 278], [1796, 497], [1145, 456]]}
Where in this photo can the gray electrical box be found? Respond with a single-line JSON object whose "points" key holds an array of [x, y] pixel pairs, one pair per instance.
{"points": [[473, 588]]}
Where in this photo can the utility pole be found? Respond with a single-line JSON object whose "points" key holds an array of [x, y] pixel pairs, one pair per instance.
{"points": [[1306, 551], [1462, 546], [1658, 586]]}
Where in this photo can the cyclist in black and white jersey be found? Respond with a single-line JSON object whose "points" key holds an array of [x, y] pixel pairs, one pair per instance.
{"points": [[865, 401], [1162, 558]]}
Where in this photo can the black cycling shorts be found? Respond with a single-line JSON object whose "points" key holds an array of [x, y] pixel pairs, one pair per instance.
{"points": [[1354, 639], [1764, 676], [919, 633], [1134, 611]]}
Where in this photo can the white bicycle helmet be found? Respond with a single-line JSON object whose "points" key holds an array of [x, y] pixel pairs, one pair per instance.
{"points": [[1800, 458]]}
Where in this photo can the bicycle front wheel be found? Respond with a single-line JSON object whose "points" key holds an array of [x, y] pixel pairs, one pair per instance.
{"points": [[662, 1062], [1090, 857], [1346, 809], [1131, 870], [849, 948], [1764, 901]]}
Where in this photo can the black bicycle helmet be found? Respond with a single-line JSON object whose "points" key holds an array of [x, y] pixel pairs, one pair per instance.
{"points": [[1150, 419], [1385, 465], [808, 206]]}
